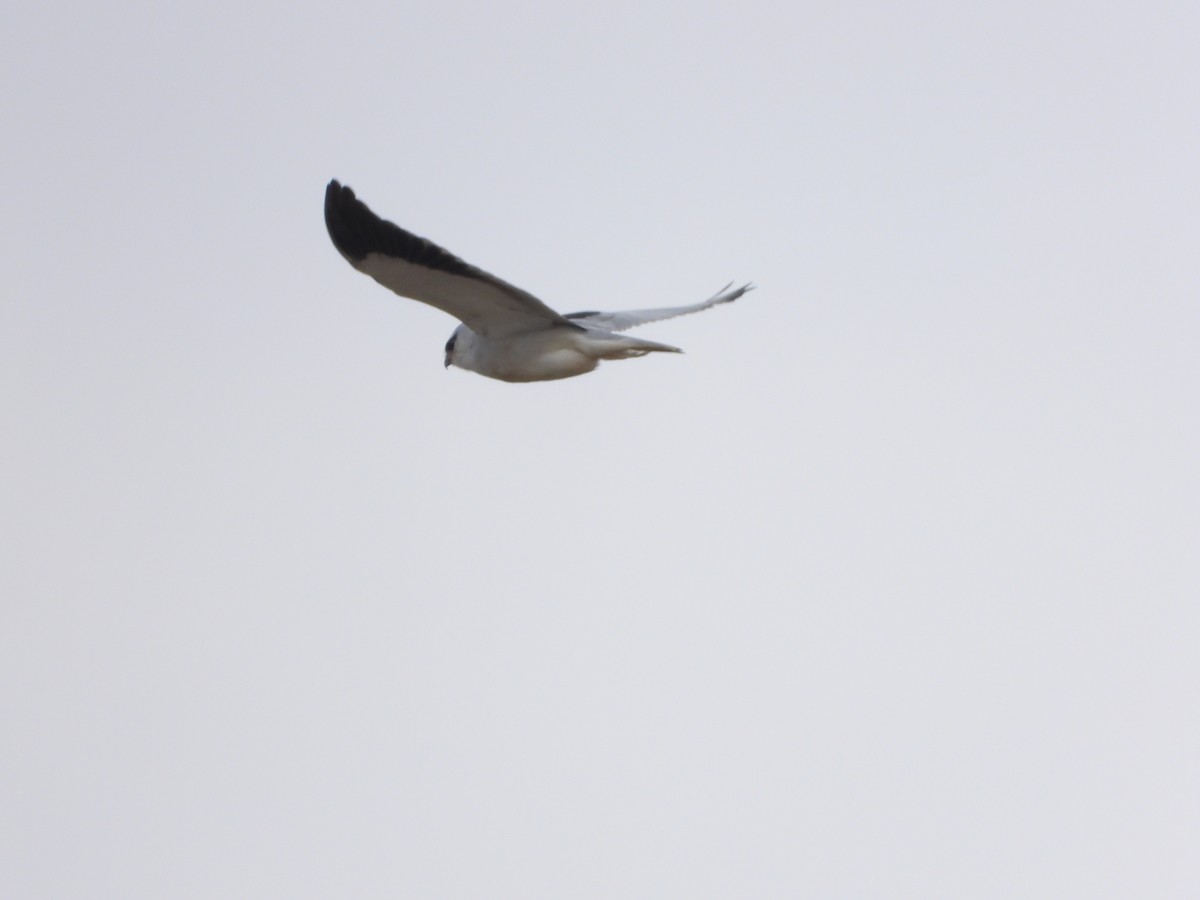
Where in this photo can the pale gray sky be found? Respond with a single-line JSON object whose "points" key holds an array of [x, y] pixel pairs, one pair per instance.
{"points": [[888, 588]]}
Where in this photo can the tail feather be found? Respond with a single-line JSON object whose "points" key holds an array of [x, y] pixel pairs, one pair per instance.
{"points": [[623, 346]]}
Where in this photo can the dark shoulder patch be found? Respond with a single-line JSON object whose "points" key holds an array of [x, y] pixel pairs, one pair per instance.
{"points": [[358, 232], [581, 315]]}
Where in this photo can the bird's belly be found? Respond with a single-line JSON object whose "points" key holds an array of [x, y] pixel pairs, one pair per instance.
{"points": [[549, 365], [537, 356], [532, 356]]}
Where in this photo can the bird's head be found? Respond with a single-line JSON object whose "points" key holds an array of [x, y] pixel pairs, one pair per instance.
{"points": [[456, 346]]}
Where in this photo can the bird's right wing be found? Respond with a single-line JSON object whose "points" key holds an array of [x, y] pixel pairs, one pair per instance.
{"points": [[620, 321], [414, 267]]}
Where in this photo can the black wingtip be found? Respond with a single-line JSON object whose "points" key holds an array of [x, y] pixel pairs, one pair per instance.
{"points": [[357, 232], [345, 216]]}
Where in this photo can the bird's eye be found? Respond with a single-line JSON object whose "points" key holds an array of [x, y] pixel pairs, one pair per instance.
{"points": [[450, 343]]}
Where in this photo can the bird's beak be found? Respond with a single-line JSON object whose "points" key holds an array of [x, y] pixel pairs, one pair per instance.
{"points": [[447, 360]]}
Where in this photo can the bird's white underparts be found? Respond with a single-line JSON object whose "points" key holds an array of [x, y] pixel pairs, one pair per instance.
{"points": [[506, 333]]}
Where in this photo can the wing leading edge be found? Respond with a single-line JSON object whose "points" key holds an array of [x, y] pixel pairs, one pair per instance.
{"points": [[621, 321]]}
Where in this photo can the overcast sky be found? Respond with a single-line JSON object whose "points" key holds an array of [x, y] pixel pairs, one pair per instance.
{"points": [[888, 587]]}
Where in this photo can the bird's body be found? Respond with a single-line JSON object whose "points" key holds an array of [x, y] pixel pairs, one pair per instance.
{"points": [[505, 333], [543, 355]]}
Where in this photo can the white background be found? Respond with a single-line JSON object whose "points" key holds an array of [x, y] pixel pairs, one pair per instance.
{"points": [[887, 588]]}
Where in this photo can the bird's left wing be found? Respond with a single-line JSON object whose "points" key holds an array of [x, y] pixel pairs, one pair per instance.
{"points": [[414, 267], [620, 321]]}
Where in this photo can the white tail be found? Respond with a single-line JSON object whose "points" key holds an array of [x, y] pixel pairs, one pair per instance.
{"points": [[622, 346]]}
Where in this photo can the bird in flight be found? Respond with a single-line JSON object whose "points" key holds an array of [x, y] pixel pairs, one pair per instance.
{"points": [[505, 333]]}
